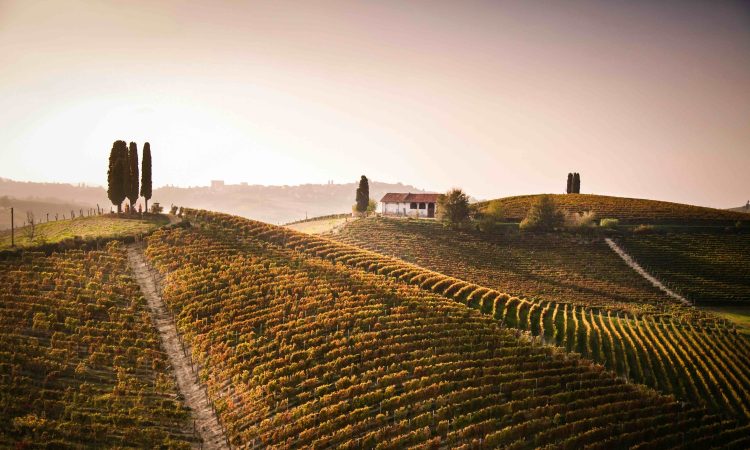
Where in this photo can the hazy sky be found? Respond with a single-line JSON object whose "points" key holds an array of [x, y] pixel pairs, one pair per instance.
{"points": [[643, 98]]}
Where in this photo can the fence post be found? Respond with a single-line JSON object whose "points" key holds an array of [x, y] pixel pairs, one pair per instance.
{"points": [[12, 229]]}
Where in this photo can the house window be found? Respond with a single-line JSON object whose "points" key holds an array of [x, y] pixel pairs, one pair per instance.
{"points": [[413, 205], [422, 206]]}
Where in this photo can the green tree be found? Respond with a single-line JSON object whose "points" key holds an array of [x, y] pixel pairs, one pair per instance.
{"points": [[115, 183], [363, 194], [490, 216], [576, 183], [569, 190], [146, 174], [453, 208], [543, 215], [132, 190]]}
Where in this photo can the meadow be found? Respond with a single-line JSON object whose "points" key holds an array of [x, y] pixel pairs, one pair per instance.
{"points": [[104, 227]]}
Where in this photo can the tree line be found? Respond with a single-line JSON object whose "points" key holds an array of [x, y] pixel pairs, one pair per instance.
{"points": [[122, 176]]}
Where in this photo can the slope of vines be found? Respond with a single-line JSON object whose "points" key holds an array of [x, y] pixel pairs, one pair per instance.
{"points": [[80, 363], [304, 351], [550, 267], [709, 269], [628, 210], [698, 359]]}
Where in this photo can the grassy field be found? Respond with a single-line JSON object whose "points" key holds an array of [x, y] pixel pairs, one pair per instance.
{"points": [[306, 342], [321, 226], [739, 315], [628, 210], [107, 226]]}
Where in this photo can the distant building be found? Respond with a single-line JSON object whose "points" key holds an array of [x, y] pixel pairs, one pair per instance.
{"points": [[412, 205], [217, 184]]}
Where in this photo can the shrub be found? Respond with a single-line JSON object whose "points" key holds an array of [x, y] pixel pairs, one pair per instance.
{"points": [[580, 220], [644, 229], [453, 208], [543, 215], [609, 223], [487, 220]]}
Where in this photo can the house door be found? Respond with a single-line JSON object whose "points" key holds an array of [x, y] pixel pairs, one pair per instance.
{"points": [[430, 210]]}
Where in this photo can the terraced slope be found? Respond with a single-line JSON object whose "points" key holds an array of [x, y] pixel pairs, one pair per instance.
{"points": [[696, 356], [303, 348], [548, 267], [80, 363], [709, 269], [628, 210]]}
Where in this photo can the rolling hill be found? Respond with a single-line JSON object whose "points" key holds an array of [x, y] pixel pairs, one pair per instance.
{"points": [[303, 341], [627, 210]]}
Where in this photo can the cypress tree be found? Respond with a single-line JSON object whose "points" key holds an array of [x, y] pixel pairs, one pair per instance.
{"points": [[115, 182], [363, 194], [576, 183], [146, 174], [569, 189], [132, 175]]}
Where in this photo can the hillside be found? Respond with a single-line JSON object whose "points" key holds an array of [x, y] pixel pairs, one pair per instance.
{"points": [[106, 226], [80, 362], [40, 209], [628, 210], [273, 204], [550, 267], [710, 269], [299, 345]]}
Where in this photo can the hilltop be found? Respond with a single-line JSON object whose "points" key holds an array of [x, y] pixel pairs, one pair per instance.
{"points": [[628, 210]]}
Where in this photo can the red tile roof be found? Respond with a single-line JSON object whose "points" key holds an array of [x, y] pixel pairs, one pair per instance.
{"points": [[395, 197]]}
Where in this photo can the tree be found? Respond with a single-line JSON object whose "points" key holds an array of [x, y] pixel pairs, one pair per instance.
{"points": [[453, 208], [576, 183], [117, 169], [569, 190], [543, 215], [132, 186], [363, 194], [146, 174], [490, 216]]}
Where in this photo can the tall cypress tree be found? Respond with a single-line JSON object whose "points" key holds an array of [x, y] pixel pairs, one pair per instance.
{"points": [[569, 189], [146, 174], [363, 194], [576, 183], [132, 175], [115, 182]]}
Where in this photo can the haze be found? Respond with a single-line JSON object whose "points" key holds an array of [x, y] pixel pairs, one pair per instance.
{"points": [[644, 99]]}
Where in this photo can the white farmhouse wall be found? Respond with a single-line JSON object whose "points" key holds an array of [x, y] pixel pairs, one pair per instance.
{"points": [[404, 209]]}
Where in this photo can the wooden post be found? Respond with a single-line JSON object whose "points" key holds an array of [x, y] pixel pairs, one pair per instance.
{"points": [[12, 230]]}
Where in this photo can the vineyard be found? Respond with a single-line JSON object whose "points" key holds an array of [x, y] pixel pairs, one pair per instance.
{"points": [[709, 269], [547, 267], [299, 346], [80, 363], [628, 210]]}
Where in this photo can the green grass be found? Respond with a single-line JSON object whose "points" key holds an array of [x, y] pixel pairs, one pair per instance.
{"points": [[107, 226], [739, 315]]}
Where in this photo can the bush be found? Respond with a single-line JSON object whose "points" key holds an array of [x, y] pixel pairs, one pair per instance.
{"points": [[543, 215], [453, 208], [580, 220], [609, 223], [488, 219], [644, 229]]}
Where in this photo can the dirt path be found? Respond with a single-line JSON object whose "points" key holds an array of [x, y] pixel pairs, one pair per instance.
{"points": [[635, 266], [206, 423]]}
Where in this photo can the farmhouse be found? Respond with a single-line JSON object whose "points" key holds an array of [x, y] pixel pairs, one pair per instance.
{"points": [[408, 204]]}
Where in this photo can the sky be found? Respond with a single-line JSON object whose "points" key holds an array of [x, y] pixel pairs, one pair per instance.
{"points": [[642, 98]]}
